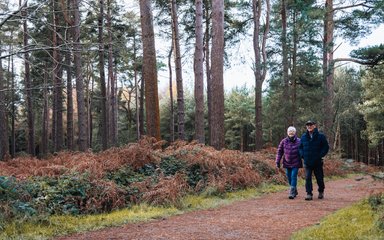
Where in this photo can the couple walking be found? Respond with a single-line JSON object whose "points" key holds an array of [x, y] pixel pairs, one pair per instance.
{"points": [[312, 147]]}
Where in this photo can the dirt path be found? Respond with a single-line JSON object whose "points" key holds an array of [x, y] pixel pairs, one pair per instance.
{"points": [[272, 216]]}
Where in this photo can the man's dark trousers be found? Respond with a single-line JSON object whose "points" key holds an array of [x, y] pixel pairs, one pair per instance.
{"points": [[319, 174]]}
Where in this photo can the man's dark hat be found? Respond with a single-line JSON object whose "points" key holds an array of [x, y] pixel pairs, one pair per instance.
{"points": [[310, 122]]}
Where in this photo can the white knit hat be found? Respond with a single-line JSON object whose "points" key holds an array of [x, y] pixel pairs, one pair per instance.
{"points": [[291, 129]]}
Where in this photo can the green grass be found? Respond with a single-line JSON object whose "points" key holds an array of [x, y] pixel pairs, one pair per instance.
{"points": [[63, 225], [352, 223]]}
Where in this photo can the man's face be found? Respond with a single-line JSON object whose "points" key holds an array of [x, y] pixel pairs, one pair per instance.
{"points": [[310, 127]]}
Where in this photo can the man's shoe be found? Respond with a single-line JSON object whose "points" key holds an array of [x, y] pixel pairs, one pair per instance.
{"points": [[296, 193], [308, 197], [321, 195]]}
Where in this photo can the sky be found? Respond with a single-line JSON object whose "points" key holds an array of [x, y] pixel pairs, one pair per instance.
{"points": [[240, 73]]}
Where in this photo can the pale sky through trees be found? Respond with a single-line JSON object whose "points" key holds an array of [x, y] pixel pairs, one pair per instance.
{"points": [[240, 72]]}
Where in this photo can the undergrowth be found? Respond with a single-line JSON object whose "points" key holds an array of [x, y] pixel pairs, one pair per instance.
{"points": [[45, 228], [85, 183]]}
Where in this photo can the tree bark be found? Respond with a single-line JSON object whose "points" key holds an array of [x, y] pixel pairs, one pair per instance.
{"points": [[150, 70], [328, 70], [4, 147], [103, 92], [172, 117], [199, 73], [260, 68], [82, 114], [208, 66], [137, 92], [28, 88], [13, 107], [179, 75], [285, 97], [57, 109], [217, 60], [45, 123], [113, 133]]}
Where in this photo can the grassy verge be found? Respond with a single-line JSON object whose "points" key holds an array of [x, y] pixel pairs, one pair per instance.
{"points": [[46, 228], [358, 221]]}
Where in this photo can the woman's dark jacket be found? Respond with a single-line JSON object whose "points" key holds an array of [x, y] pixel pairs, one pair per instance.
{"points": [[289, 150], [313, 149]]}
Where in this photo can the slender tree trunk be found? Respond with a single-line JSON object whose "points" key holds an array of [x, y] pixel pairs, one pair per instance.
{"points": [[4, 144], [141, 110], [111, 79], [260, 68], [45, 123], [172, 116], [207, 66], [179, 75], [150, 70], [293, 93], [328, 70], [82, 113], [13, 107], [103, 91], [199, 74], [137, 92], [70, 145], [217, 60], [57, 119], [89, 97], [28, 88], [285, 97]]}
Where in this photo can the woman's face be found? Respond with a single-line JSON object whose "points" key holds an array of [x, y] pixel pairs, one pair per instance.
{"points": [[291, 133]]}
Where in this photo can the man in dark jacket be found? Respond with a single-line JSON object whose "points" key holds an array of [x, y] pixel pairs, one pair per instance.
{"points": [[313, 147]]}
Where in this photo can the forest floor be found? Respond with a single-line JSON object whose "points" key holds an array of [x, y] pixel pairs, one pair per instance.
{"points": [[271, 216]]}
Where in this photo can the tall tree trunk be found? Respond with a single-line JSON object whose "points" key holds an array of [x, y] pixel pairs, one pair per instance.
{"points": [[113, 133], [137, 92], [70, 144], [28, 87], [82, 113], [285, 97], [89, 97], [199, 73], [150, 70], [217, 60], [172, 116], [179, 75], [57, 119], [293, 93], [103, 100], [70, 123], [13, 108], [4, 144], [260, 68], [328, 70], [45, 123], [207, 65], [141, 110]]}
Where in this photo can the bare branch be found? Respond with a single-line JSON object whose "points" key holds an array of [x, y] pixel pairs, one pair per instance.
{"points": [[362, 4], [13, 13], [366, 63]]}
